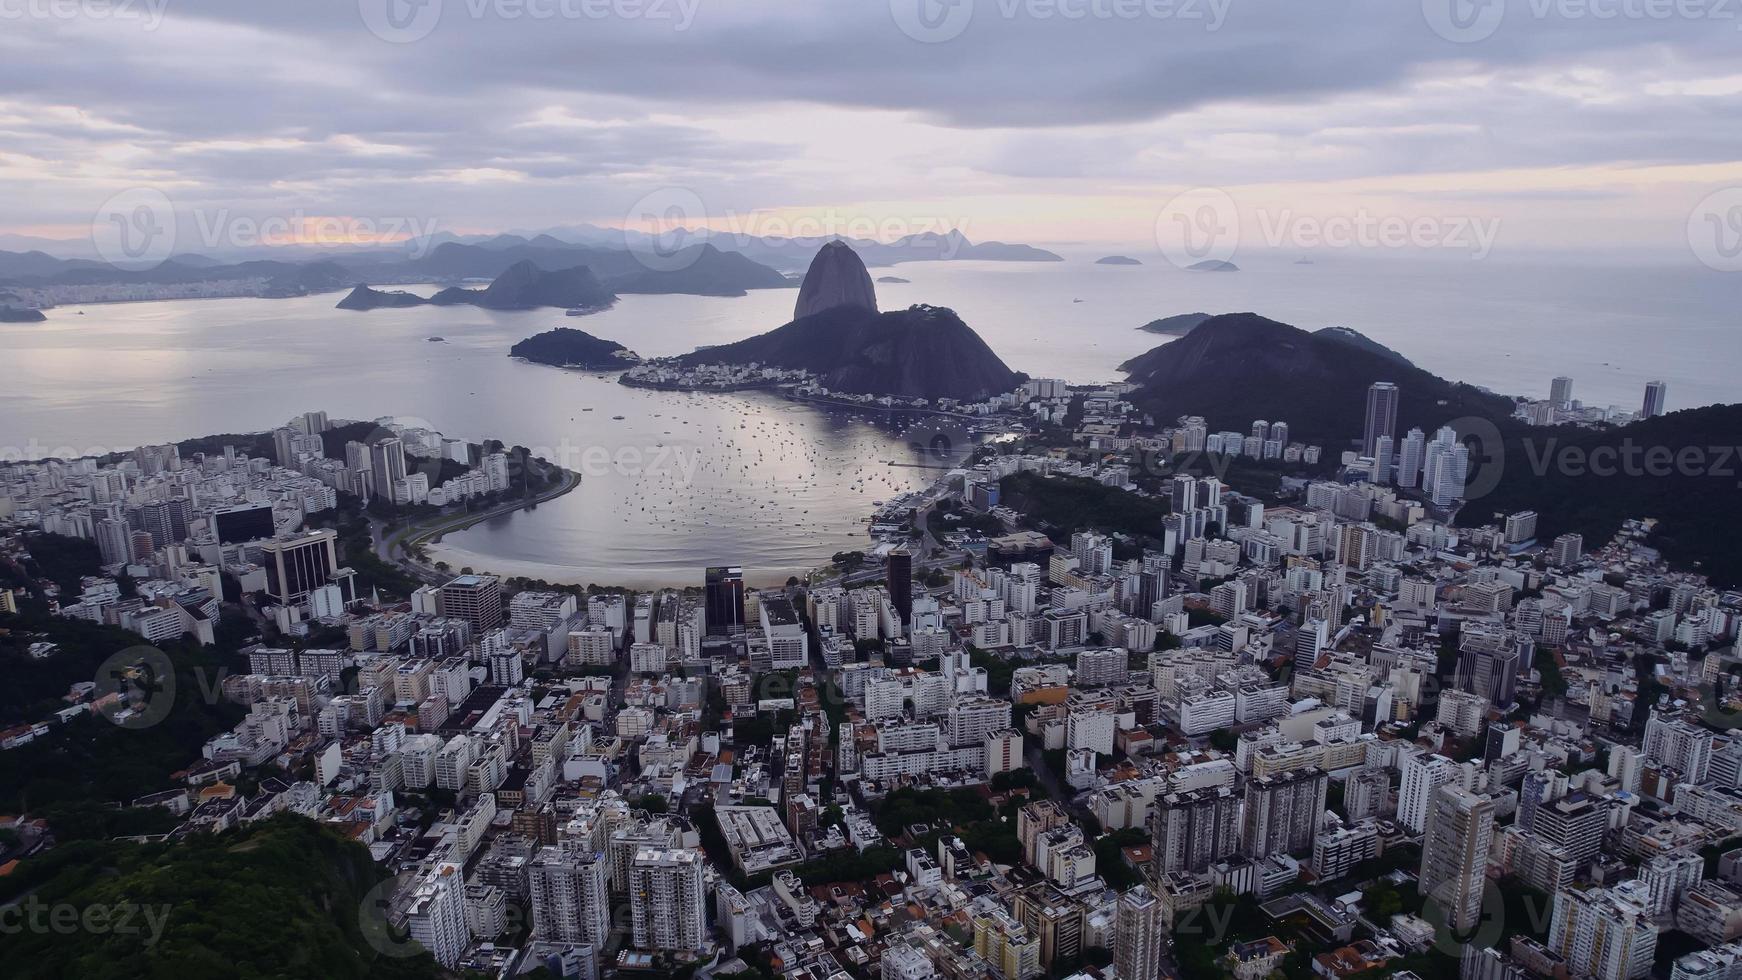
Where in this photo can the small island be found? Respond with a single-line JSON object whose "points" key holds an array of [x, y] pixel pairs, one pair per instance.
{"points": [[893, 279], [564, 347], [1212, 265], [1117, 260]]}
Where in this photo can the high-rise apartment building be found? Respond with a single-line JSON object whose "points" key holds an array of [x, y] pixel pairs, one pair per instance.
{"points": [[1454, 854], [1382, 400], [666, 900]]}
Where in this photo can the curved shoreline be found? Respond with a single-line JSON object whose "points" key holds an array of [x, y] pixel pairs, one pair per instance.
{"points": [[398, 544]]}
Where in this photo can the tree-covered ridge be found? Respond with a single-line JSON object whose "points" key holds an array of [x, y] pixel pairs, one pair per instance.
{"points": [[277, 899]]}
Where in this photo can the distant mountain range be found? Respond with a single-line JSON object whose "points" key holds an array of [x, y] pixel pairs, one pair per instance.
{"points": [[709, 264], [521, 286]]}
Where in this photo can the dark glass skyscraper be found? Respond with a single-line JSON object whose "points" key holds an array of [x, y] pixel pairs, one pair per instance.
{"points": [[1381, 416], [724, 601], [899, 579]]}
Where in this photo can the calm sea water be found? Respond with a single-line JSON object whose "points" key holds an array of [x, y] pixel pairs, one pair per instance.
{"points": [[683, 481]]}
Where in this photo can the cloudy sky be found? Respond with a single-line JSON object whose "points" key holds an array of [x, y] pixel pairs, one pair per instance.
{"points": [[1573, 124]]}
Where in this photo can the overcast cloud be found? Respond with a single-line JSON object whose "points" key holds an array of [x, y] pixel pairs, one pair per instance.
{"points": [[1597, 123]]}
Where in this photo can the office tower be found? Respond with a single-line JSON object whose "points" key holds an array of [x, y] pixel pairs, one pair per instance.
{"points": [[1140, 934], [243, 522], [1279, 432], [436, 914], [114, 541], [477, 599], [1381, 460], [1575, 822], [1560, 392], [899, 578], [165, 520], [300, 563], [1488, 665], [1602, 935], [283, 447], [1283, 811], [1409, 458], [387, 462], [570, 903], [1310, 639], [1656, 394], [1423, 775], [1185, 494], [314, 423], [1381, 415], [724, 602], [1192, 829], [665, 900], [1454, 855]]}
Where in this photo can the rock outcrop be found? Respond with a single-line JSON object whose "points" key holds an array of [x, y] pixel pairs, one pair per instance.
{"points": [[837, 277]]}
